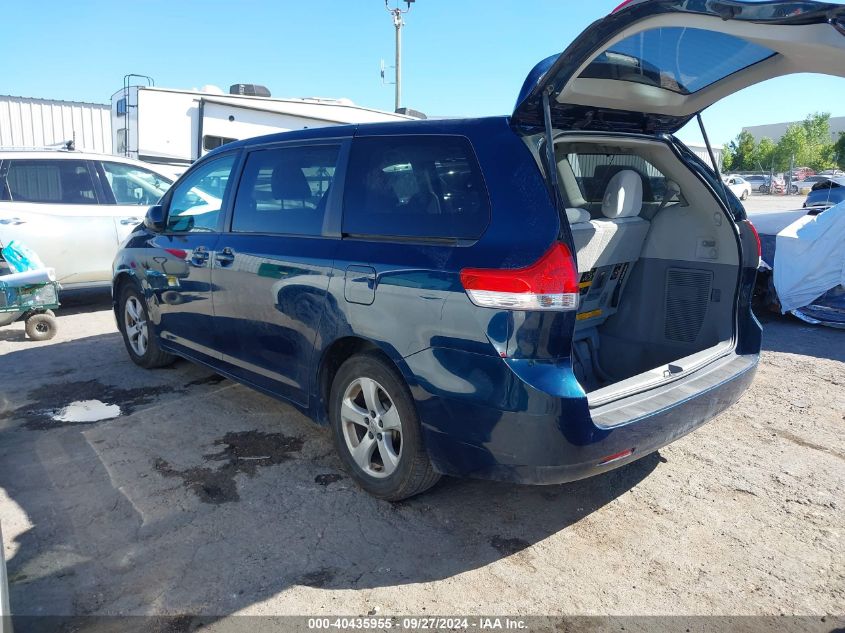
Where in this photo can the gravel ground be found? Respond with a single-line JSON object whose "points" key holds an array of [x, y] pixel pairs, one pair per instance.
{"points": [[206, 497]]}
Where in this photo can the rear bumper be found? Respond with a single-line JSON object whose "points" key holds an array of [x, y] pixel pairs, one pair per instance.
{"points": [[519, 434]]}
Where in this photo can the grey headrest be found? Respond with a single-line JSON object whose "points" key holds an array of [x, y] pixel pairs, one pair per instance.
{"points": [[576, 216], [623, 197], [289, 183]]}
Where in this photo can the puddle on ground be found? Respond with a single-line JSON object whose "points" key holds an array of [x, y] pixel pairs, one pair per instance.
{"points": [[243, 452], [87, 411], [50, 403]]}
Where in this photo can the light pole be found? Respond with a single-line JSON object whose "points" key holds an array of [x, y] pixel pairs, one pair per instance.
{"points": [[398, 22]]}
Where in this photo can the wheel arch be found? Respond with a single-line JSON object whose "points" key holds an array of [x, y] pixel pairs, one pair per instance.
{"points": [[121, 278], [337, 353]]}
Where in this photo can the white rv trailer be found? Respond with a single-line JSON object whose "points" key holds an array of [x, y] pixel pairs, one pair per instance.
{"points": [[176, 127]]}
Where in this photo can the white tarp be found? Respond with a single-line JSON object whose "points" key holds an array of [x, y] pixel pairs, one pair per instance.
{"points": [[810, 258]]}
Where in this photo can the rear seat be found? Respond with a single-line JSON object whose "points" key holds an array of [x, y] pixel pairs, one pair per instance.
{"points": [[607, 248], [619, 236]]}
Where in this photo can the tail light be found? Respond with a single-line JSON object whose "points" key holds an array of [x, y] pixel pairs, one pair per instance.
{"points": [[756, 237], [551, 283], [622, 6]]}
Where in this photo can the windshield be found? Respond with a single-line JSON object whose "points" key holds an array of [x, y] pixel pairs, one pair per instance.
{"points": [[135, 185]]}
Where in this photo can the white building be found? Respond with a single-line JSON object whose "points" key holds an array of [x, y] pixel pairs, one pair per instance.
{"points": [[176, 127], [775, 130], [29, 122], [700, 150]]}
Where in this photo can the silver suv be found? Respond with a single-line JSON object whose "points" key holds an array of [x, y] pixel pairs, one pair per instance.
{"points": [[75, 208]]}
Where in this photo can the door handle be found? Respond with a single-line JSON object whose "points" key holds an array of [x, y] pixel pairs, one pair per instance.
{"points": [[199, 256], [14, 221], [130, 221], [225, 257]]}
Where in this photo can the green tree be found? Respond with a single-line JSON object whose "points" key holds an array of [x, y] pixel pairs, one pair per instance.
{"points": [[821, 150], [764, 154], [742, 149], [818, 128], [727, 159], [793, 143], [839, 151]]}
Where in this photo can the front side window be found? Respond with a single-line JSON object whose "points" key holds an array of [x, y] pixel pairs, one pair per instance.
{"points": [[54, 181], [415, 187], [134, 185], [196, 201], [285, 190]]}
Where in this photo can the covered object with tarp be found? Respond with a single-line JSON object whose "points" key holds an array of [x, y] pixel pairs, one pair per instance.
{"points": [[809, 267]]}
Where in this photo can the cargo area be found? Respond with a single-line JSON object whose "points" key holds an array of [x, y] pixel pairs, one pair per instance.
{"points": [[658, 261]]}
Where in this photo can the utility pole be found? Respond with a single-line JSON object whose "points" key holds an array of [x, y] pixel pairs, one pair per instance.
{"points": [[398, 23]]}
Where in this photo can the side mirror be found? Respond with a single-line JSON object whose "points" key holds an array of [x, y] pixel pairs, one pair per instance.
{"points": [[154, 220]]}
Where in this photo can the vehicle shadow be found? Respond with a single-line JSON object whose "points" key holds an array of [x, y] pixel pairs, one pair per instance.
{"points": [[786, 333], [205, 498], [12, 334], [84, 301]]}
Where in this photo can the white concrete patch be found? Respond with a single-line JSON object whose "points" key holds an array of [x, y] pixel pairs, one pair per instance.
{"points": [[87, 411]]}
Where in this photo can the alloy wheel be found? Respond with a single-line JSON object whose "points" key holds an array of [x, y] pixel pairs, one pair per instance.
{"points": [[136, 325], [372, 428]]}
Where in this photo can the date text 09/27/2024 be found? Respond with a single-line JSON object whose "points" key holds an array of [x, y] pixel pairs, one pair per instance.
{"points": [[416, 623]]}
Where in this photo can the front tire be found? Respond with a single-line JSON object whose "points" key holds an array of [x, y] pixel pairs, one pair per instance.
{"points": [[377, 431], [134, 324]]}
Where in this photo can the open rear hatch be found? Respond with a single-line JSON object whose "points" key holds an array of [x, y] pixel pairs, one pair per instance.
{"points": [[661, 283], [652, 65]]}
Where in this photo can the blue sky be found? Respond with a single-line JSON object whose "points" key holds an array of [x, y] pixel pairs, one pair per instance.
{"points": [[461, 57]]}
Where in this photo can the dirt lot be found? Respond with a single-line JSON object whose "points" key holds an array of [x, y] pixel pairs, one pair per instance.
{"points": [[205, 497]]}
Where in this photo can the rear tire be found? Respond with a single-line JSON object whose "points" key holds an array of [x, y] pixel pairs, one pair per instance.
{"points": [[133, 321], [41, 326], [384, 453]]}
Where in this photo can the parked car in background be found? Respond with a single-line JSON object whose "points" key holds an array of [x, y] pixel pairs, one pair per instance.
{"points": [[75, 208], [826, 193], [758, 182], [763, 183], [800, 173], [812, 180], [740, 187]]}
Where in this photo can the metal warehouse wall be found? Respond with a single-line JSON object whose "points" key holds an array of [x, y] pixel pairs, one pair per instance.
{"points": [[29, 122]]}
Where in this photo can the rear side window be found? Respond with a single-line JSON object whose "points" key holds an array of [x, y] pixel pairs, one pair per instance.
{"points": [[415, 187], [594, 171], [55, 181], [285, 190]]}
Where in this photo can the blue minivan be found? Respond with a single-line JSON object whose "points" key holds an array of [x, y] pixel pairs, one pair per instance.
{"points": [[534, 298]]}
